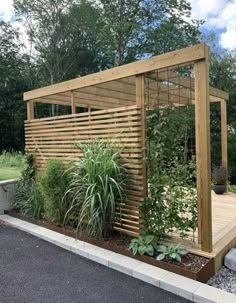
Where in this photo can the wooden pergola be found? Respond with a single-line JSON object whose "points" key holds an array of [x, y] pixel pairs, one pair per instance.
{"points": [[115, 99]]}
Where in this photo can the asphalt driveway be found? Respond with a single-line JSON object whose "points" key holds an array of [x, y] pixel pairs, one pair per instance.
{"points": [[35, 271]]}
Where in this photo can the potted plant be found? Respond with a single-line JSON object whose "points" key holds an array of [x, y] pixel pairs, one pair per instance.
{"points": [[219, 178]]}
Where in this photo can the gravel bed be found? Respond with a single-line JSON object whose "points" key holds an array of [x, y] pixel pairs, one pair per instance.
{"points": [[224, 279]]}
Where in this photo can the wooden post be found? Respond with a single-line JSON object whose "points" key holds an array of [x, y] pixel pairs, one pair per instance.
{"points": [[30, 110], [140, 99], [73, 107], [203, 158], [223, 106]]}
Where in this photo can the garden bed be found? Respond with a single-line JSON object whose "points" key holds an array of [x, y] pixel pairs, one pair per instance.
{"points": [[192, 266]]}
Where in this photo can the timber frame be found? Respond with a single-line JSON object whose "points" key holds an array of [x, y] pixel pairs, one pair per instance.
{"points": [[118, 94]]}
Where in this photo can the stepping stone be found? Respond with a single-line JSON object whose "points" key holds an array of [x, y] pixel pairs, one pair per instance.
{"points": [[230, 259]]}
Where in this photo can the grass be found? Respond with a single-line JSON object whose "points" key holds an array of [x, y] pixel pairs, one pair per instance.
{"points": [[11, 165]]}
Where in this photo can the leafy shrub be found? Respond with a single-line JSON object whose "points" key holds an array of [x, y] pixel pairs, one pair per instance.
{"points": [[54, 182], [12, 159], [171, 252], [98, 183], [29, 170], [143, 245], [232, 188], [219, 175], [171, 205], [28, 198]]}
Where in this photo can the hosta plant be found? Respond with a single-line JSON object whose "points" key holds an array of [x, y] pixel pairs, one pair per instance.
{"points": [[171, 252], [143, 245]]}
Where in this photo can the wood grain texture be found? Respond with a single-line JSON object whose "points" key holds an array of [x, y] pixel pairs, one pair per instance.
{"points": [[189, 54], [56, 137], [224, 140], [202, 119]]}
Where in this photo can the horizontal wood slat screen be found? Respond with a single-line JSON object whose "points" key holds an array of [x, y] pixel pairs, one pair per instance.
{"points": [[56, 138]]}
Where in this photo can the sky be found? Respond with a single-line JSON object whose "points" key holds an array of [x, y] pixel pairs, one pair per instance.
{"points": [[219, 16]]}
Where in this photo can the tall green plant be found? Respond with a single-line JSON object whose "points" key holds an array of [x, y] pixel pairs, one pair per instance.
{"points": [[54, 182], [28, 198], [98, 183], [171, 206]]}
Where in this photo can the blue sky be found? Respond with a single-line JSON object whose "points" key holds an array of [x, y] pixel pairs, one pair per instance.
{"points": [[220, 17]]}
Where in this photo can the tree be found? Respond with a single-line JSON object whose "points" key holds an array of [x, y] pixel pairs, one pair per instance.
{"points": [[137, 28], [14, 81], [63, 34], [223, 76]]}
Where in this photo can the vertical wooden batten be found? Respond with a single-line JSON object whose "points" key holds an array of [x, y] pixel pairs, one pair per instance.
{"points": [[30, 110], [140, 101], [203, 158], [224, 148], [73, 107]]}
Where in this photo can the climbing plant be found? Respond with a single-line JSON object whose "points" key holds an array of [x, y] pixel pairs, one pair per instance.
{"points": [[171, 205]]}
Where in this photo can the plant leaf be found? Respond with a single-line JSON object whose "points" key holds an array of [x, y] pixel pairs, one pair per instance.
{"points": [[150, 250], [160, 257]]}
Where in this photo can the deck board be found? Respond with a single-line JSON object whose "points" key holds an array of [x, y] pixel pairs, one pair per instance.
{"points": [[223, 215]]}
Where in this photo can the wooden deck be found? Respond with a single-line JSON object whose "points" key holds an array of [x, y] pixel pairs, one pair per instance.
{"points": [[223, 228], [223, 216]]}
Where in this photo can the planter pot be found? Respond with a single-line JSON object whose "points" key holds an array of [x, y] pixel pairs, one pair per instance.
{"points": [[202, 275], [219, 189]]}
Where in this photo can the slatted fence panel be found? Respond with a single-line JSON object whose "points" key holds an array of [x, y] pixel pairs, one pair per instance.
{"points": [[56, 138]]}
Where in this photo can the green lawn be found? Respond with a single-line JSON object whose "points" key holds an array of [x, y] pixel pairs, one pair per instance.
{"points": [[8, 173], [11, 165]]}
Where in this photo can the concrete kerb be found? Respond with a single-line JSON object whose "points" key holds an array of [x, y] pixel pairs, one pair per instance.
{"points": [[179, 285]]}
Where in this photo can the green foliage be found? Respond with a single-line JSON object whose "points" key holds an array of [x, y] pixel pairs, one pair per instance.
{"points": [[54, 182], [13, 82], [171, 252], [12, 159], [171, 205], [219, 175], [97, 187], [232, 188], [28, 198], [11, 165], [143, 245], [29, 169], [137, 28], [222, 76]]}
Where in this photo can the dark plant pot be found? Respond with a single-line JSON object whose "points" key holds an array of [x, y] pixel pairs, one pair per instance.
{"points": [[219, 189]]}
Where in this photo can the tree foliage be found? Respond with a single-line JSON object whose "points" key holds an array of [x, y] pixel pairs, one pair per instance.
{"points": [[13, 82]]}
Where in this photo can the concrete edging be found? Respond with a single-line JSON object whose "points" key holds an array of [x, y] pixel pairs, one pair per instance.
{"points": [[179, 285], [7, 191]]}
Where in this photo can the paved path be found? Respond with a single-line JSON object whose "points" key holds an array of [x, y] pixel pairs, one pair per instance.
{"points": [[35, 271]]}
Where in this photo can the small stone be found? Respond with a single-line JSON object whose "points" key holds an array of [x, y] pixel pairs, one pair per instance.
{"points": [[224, 279], [230, 259]]}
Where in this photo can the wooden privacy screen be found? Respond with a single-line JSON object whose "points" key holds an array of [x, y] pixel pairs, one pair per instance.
{"points": [[56, 137]]}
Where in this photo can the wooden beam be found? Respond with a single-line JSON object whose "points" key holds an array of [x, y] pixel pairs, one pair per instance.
{"points": [[202, 118], [30, 110], [189, 54], [224, 148], [188, 82], [72, 101]]}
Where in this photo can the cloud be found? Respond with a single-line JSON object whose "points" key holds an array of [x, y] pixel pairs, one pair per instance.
{"points": [[220, 15], [6, 10], [7, 15]]}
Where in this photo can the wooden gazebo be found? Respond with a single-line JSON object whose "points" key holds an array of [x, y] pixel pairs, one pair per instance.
{"points": [[114, 103]]}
